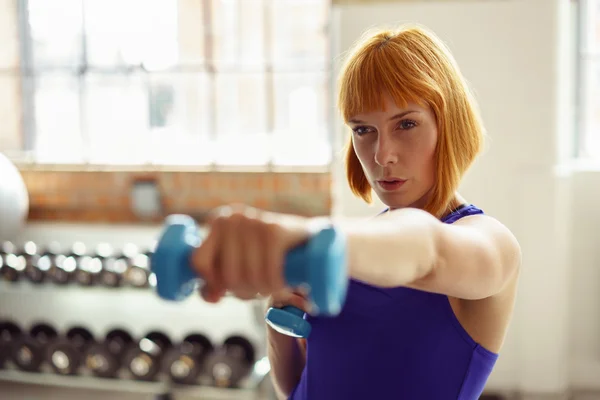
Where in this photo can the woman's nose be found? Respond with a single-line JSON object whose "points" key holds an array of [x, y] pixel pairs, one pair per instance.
{"points": [[385, 152]]}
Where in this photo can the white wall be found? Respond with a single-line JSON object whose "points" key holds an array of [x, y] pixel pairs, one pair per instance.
{"points": [[584, 284], [514, 55]]}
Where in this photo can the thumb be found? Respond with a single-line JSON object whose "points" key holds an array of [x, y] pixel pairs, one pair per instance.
{"points": [[212, 294], [293, 299]]}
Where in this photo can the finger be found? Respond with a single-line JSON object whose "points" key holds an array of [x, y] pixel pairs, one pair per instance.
{"points": [[301, 291], [204, 258], [274, 257], [244, 294], [218, 213], [293, 300], [255, 259], [211, 294], [250, 263], [230, 251], [282, 299], [300, 302]]}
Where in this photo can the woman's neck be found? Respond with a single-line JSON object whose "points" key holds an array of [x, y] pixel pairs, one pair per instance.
{"points": [[456, 202]]}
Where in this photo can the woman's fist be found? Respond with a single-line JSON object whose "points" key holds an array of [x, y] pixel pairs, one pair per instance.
{"points": [[288, 297], [244, 251]]}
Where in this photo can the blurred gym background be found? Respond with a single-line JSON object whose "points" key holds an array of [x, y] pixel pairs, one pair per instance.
{"points": [[116, 114]]}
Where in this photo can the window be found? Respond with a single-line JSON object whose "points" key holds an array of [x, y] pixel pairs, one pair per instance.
{"points": [[175, 82], [589, 80]]}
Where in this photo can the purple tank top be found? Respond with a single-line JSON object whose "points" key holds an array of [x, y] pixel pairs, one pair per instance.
{"points": [[394, 343]]}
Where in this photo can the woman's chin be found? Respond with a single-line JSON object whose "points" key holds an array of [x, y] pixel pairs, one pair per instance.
{"points": [[397, 200]]}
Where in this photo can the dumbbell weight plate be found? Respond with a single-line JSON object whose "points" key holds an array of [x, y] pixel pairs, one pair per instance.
{"points": [[29, 352], [184, 369], [104, 359], [52, 261], [60, 269], [8, 261], [12, 267], [137, 277], [226, 371], [104, 255], [112, 272], [184, 362], [31, 257], [100, 363], [144, 361], [65, 354], [138, 272], [63, 359], [143, 366], [26, 355], [9, 332], [88, 270], [232, 363]]}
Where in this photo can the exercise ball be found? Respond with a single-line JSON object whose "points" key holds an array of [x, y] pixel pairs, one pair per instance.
{"points": [[14, 200]]}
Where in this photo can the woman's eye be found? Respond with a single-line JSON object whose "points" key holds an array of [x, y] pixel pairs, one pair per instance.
{"points": [[361, 130], [407, 124]]}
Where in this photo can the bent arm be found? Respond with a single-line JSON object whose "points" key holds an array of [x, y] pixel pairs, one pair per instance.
{"points": [[287, 358]]}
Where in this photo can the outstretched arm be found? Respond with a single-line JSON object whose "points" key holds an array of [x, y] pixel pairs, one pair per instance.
{"points": [[473, 258]]}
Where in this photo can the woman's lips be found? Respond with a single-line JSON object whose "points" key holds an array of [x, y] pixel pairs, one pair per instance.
{"points": [[390, 185]]}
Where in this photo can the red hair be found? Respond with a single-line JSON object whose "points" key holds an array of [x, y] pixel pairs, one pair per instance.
{"points": [[413, 65]]}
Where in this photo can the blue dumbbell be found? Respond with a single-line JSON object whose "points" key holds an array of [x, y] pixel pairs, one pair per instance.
{"points": [[318, 265]]}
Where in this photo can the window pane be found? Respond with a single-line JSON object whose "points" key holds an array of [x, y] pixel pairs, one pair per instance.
{"points": [[181, 119], [225, 32], [242, 136], [58, 129], [590, 12], [301, 134], [191, 31], [9, 38], [116, 117], [252, 33], [11, 142], [299, 33], [590, 143], [131, 32], [56, 32], [238, 34]]}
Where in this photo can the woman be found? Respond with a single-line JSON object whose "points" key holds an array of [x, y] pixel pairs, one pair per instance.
{"points": [[432, 280]]}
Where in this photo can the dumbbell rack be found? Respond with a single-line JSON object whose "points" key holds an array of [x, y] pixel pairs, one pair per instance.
{"points": [[255, 387], [101, 308]]}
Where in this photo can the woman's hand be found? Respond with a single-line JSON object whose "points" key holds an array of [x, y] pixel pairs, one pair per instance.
{"points": [[244, 251], [288, 297]]}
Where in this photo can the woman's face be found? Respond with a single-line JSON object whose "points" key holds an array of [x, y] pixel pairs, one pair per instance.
{"points": [[396, 149]]}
